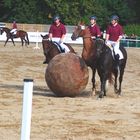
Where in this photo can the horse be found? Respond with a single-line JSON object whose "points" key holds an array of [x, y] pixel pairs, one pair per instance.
{"points": [[99, 57], [52, 49], [20, 34]]}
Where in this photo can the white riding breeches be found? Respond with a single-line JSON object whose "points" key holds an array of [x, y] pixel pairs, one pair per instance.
{"points": [[116, 48], [14, 31], [65, 47]]}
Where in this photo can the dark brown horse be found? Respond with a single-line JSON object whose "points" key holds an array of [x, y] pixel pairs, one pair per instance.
{"points": [[51, 48], [20, 34], [99, 57]]}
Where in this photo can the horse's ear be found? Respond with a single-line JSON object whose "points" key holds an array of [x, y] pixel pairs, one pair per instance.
{"points": [[82, 23]]}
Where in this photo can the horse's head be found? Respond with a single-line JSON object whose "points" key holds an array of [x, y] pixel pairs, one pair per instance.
{"points": [[46, 43], [47, 47], [78, 32], [1, 30], [45, 37], [5, 29]]}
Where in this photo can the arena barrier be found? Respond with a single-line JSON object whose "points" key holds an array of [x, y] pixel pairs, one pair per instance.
{"points": [[27, 109], [36, 37], [131, 42]]}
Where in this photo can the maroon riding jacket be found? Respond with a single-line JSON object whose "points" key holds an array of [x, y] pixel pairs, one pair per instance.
{"points": [[114, 32], [57, 31], [95, 30]]}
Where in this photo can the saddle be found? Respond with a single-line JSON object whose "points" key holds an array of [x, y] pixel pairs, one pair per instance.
{"points": [[115, 57], [59, 47], [14, 34]]}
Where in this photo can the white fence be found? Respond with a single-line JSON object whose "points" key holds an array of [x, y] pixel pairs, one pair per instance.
{"points": [[36, 37]]}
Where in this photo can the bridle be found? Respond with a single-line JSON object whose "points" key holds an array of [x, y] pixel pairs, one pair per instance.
{"points": [[49, 46]]}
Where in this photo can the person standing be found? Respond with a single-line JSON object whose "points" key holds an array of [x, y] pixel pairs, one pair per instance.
{"points": [[14, 28], [114, 33], [57, 33], [94, 28]]}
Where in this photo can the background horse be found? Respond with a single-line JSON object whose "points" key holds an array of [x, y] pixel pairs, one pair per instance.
{"points": [[20, 34], [99, 57], [51, 49]]}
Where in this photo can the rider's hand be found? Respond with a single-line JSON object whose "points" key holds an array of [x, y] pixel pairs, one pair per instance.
{"points": [[106, 42], [50, 39]]}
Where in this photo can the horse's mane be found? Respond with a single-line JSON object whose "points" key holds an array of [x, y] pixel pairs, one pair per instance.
{"points": [[87, 32]]}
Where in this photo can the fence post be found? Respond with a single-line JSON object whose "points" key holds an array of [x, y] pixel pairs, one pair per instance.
{"points": [[27, 109], [37, 40]]}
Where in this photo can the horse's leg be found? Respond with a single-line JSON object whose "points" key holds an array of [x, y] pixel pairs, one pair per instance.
{"points": [[103, 90], [13, 41], [121, 78], [22, 41], [116, 76], [26, 43], [103, 79], [6, 41], [93, 81]]}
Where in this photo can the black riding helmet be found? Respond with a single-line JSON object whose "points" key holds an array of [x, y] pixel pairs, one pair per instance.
{"points": [[114, 17], [93, 17], [56, 17]]}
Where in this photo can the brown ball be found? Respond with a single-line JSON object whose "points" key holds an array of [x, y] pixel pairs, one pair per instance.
{"points": [[67, 74]]}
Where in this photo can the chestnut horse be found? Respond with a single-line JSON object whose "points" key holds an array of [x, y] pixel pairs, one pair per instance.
{"points": [[51, 48], [20, 34], [99, 57]]}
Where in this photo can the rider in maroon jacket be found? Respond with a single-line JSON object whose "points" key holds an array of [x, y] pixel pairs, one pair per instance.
{"points": [[14, 28], [114, 34], [57, 33], [94, 28]]}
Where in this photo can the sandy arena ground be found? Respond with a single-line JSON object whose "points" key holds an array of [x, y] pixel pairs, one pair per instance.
{"points": [[80, 118]]}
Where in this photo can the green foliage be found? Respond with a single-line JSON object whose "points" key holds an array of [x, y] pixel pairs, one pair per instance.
{"points": [[132, 29], [71, 12]]}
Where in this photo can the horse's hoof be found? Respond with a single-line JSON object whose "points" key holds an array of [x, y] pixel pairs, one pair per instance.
{"points": [[44, 62], [116, 91], [93, 93], [100, 96]]}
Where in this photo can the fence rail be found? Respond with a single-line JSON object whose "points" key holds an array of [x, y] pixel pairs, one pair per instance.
{"points": [[35, 29], [131, 42]]}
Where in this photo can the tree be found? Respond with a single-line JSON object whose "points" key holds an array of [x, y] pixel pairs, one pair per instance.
{"points": [[42, 11]]}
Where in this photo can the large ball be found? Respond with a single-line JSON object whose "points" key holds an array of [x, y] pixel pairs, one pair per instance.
{"points": [[67, 74]]}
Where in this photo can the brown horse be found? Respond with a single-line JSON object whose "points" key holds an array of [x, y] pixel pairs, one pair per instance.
{"points": [[99, 57], [51, 48], [20, 34]]}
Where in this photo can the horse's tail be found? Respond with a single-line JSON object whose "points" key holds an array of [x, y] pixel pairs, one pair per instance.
{"points": [[27, 38]]}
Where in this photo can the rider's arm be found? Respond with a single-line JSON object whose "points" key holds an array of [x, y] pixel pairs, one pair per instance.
{"points": [[107, 37], [62, 38], [118, 40], [50, 36]]}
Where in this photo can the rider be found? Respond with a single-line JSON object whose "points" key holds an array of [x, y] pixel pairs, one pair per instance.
{"points": [[114, 34], [94, 28], [57, 33], [14, 28]]}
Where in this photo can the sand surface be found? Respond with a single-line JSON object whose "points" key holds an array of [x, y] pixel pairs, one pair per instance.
{"points": [[80, 118]]}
